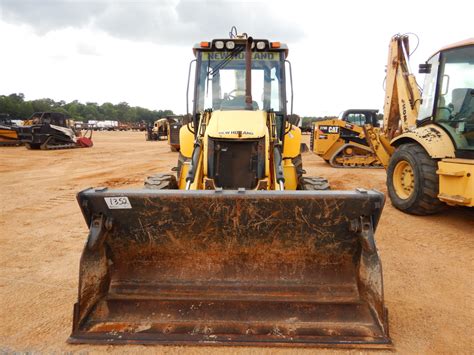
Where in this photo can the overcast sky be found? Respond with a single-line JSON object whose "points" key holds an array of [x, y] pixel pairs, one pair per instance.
{"points": [[139, 51]]}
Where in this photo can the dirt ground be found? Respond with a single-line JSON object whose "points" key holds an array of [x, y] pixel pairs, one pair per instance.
{"points": [[428, 261]]}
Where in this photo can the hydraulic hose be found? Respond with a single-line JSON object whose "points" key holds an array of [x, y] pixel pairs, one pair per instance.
{"points": [[280, 178], [193, 168]]}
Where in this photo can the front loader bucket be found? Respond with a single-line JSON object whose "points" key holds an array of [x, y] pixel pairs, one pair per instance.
{"points": [[231, 267]]}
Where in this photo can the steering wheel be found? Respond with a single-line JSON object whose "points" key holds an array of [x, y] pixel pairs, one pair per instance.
{"points": [[230, 95], [450, 109]]}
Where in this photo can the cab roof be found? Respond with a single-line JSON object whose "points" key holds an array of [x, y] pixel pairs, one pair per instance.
{"points": [[464, 43]]}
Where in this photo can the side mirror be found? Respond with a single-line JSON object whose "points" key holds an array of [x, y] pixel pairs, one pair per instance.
{"points": [[188, 118], [293, 119], [424, 68], [291, 85]]}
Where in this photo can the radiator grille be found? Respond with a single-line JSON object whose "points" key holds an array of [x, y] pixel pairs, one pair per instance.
{"points": [[174, 133], [235, 164]]}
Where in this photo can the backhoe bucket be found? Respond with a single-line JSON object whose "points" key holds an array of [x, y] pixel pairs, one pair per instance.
{"points": [[268, 268]]}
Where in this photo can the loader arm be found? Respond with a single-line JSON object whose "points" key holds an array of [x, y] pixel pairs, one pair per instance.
{"points": [[379, 143]]}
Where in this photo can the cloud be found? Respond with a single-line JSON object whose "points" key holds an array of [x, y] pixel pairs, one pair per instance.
{"points": [[164, 22], [86, 48], [211, 18], [49, 15]]}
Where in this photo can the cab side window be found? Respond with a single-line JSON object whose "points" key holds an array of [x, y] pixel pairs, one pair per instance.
{"points": [[356, 118]]}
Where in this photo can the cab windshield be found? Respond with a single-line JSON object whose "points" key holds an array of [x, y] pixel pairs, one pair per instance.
{"points": [[455, 95], [221, 81]]}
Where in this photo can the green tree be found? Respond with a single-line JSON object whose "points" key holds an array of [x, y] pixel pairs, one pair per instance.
{"points": [[18, 108]]}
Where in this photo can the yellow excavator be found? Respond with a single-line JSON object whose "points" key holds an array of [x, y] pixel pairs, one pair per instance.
{"points": [[427, 140], [240, 247], [342, 142]]}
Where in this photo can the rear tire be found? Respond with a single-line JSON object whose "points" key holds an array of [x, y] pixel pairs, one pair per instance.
{"points": [[161, 182], [412, 182], [314, 183]]}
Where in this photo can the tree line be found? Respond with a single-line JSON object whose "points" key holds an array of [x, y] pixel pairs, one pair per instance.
{"points": [[306, 122], [18, 108]]}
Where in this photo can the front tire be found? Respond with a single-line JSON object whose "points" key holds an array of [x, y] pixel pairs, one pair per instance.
{"points": [[412, 182], [314, 184], [161, 182]]}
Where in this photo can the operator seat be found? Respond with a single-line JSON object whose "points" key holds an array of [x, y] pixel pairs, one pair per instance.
{"points": [[462, 102], [237, 103]]}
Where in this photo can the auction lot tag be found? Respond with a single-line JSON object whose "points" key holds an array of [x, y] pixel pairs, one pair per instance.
{"points": [[117, 203]]}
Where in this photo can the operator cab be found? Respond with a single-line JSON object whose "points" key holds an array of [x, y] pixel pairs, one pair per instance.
{"points": [[221, 77], [361, 117], [448, 94], [52, 118]]}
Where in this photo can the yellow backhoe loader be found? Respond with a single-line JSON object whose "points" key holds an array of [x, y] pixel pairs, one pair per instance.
{"points": [[158, 131], [240, 247], [427, 140], [342, 142]]}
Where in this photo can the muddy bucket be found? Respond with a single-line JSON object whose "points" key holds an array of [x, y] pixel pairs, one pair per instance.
{"points": [[231, 267]]}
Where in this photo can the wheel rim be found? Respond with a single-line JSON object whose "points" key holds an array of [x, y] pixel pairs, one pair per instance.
{"points": [[403, 180]]}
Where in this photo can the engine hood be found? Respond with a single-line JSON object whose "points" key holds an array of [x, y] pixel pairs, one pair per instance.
{"points": [[237, 124]]}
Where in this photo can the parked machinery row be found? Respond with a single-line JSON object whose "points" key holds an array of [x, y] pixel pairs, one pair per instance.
{"points": [[52, 130]]}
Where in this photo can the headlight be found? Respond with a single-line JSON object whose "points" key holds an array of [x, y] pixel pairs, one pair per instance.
{"points": [[230, 45], [219, 44], [260, 45]]}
